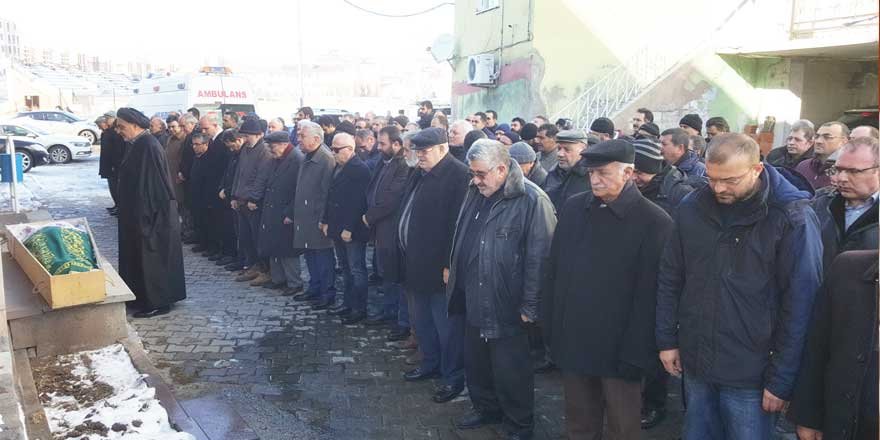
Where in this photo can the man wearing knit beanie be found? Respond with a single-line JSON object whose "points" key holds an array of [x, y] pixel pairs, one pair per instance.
{"points": [[663, 184], [525, 156], [692, 123], [603, 128]]}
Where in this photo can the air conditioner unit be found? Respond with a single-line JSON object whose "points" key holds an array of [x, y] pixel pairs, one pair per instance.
{"points": [[481, 69]]}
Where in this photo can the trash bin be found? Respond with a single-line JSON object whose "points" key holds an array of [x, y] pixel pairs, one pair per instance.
{"points": [[6, 165]]}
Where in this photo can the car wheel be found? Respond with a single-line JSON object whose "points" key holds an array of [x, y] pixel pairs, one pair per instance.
{"points": [[90, 135], [59, 154], [27, 161]]}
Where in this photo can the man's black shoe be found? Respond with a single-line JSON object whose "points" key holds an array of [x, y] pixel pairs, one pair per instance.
{"points": [[305, 296], [153, 312], [339, 311], [475, 419], [399, 334], [291, 291], [354, 318], [216, 256], [190, 240], [234, 267], [275, 286], [518, 436], [321, 305], [445, 393], [114, 213], [378, 320], [111, 208], [226, 260], [417, 375], [544, 366], [199, 248], [374, 279], [652, 417]]}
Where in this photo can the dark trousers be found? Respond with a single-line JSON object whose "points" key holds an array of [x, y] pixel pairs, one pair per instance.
{"points": [[209, 226], [500, 378], [352, 257], [589, 400], [248, 234], [113, 184], [441, 336], [321, 265], [228, 232], [654, 392]]}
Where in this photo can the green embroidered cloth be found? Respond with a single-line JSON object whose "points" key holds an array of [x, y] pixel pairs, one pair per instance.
{"points": [[62, 250]]}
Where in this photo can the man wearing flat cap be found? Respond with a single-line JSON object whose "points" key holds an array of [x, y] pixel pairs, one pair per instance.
{"points": [[569, 176], [150, 253], [599, 297], [425, 230], [276, 230]]}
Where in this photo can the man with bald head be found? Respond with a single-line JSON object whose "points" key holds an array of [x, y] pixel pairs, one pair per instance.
{"points": [[746, 252], [864, 131], [341, 222], [457, 131]]}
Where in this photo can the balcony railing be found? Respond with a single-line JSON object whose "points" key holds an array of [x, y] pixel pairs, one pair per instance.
{"points": [[810, 18]]}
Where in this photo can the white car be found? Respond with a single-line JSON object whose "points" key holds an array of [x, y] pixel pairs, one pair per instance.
{"points": [[62, 148], [59, 122]]}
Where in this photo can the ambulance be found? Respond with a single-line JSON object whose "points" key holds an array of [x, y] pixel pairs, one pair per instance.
{"points": [[210, 90]]}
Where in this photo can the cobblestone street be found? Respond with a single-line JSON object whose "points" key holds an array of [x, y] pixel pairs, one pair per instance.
{"points": [[250, 363]]}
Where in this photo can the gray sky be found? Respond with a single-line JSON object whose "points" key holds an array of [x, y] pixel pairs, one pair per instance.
{"points": [[252, 32]]}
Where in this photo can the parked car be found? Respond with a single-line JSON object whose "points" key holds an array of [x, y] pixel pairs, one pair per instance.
{"points": [[59, 122], [33, 154], [62, 148], [860, 116]]}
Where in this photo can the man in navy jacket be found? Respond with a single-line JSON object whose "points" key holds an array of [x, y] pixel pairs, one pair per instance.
{"points": [[342, 223], [735, 293]]}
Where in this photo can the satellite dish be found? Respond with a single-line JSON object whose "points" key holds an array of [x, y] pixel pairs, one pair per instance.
{"points": [[443, 48]]}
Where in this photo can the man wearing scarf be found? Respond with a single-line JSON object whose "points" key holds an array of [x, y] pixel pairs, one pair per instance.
{"points": [[150, 254]]}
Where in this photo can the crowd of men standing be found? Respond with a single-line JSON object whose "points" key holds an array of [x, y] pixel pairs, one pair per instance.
{"points": [[502, 250]]}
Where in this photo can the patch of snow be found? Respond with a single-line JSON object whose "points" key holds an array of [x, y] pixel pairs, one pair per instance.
{"points": [[131, 400]]}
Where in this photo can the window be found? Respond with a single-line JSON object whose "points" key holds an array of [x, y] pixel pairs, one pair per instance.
{"points": [[15, 130], [487, 5], [55, 117]]}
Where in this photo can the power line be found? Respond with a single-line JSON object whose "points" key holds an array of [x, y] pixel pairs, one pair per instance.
{"points": [[382, 14]]}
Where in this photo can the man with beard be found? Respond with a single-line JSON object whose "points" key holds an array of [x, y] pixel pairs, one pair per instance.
{"points": [[383, 198], [230, 120], [150, 254], [426, 114]]}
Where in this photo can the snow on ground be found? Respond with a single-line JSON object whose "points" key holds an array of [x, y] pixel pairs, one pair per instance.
{"points": [[129, 412]]}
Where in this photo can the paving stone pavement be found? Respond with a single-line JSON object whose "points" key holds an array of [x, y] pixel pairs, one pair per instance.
{"points": [[290, 372]]}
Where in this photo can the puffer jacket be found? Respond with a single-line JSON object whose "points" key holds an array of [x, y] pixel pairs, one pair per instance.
{"points": [[693, 168], [736, 298], [513, 251]]}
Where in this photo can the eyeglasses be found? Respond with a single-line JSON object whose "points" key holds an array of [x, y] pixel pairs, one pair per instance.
{"points": [[480, 175], [826, 136], [835, 170], [729, 181], [337, 150]]}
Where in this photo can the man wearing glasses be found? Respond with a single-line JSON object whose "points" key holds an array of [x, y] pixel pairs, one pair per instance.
{"points": [[847, 209], [735, 293], [829, 138]]}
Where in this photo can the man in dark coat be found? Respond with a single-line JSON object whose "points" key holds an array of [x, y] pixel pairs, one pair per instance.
{"points": [[254, 165], [315, 176], [501, 243], [150, 253], [425, 229], [528, 163], [426, 114], [190, 125], [847, 209], [233, 142], [828, 140], [674, 148], [343, 223], [205, 177], [736, 287], [276, 232], [112, 152], [663, 184], [798, 146], [600, 297], [569, 176], [835, 396], [383, 200]]}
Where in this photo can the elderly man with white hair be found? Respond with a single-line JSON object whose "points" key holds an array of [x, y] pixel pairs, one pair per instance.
{"points": [[457, 131], [313, 187], [501, 244]]}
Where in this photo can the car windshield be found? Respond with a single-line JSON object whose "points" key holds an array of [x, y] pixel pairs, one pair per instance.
{"points": [[36, 130], [73, 116]]}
